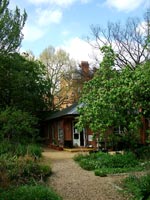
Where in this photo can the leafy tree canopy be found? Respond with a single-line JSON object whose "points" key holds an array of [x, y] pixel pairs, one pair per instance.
{"points": [[115, 97], [17, 126], [11, 25], [23, 84]]}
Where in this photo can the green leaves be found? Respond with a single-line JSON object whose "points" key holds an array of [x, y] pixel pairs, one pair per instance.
{"points": [[23, 84], [113, 98], [17, 125], [11, 25]]}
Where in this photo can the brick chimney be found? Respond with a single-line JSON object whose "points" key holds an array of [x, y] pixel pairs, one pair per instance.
{"points": [[85, 67]]}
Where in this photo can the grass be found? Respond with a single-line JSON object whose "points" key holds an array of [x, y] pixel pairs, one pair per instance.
{"points": [[26, 192]]}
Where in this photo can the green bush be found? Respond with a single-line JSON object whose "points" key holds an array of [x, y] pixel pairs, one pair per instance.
{"points": [[34, 150], [106, 160], [26, 192], [143, 152], [18, 149], [116, 170], [107, 163], [87, 164], [5, 147], [17, 125], [138, 187], [100, 173], [22, 171], [79, 157], [27, 171]]}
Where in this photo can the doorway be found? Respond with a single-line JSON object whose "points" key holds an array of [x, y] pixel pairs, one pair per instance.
{"points": [[78, 137]]}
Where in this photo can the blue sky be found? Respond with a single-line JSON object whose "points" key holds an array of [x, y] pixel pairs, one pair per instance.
{"points": [[65, 23]]}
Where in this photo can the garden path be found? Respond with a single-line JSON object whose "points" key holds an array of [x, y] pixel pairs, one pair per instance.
{"points": [[71, 182]]}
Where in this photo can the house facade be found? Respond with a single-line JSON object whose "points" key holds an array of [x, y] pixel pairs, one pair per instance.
{"points": [[60, 130]]}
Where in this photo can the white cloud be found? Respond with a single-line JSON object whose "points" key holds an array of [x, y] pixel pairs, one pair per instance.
{"points": [[142, 28], [32, 33], [85, 1], [124, 5], [79, 50], [48, 16], [63, 3], [65, 33]]}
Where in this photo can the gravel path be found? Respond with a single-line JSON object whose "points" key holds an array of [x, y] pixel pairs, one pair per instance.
{"points": [[73, 183]]}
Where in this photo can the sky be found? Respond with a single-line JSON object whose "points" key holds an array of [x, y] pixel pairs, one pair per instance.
{"points": [[66, 23]]}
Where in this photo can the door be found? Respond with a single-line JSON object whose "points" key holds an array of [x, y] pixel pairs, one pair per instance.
{"points": [[78, 137]]}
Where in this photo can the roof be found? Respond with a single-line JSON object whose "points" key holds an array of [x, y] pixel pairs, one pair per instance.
{"points": [[71, 110]]}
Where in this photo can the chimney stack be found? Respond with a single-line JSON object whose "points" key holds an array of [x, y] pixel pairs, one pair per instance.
{"points": [[85, 67]]}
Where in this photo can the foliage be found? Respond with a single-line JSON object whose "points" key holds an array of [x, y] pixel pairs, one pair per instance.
{"points": [[9, 148], [100, 173], [26, 192], [143, 153], [11, 25], [21, 171], [17, 125], [94, 95], [116, 98], [34, 150], [103, 163], [23, 84], [139, 187], [104, 171]]}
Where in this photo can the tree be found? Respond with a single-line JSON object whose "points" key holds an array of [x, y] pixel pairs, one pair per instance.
{"points": [[17, 126], [116, 98], [23, 84], [11, 25], [94, 111], [130, 41], [58, 64]]}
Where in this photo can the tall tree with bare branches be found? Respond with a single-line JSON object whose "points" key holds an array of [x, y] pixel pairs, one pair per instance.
{"points": [[129, 41], [58, 64]]}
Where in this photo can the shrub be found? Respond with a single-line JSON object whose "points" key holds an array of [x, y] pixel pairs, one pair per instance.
{"points": [[18, 149], [139, 187], [87, 164], [26, 192], [100, 173], [106, 160], [107, 163], [79, 157], [22, 171], [27, 171], [34, 150], [5, 147], [17, 126], [143, 152]]}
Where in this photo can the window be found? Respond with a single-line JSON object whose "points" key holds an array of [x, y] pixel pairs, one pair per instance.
{"points": [[76, 136], [60, 132], [118, 130]]}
